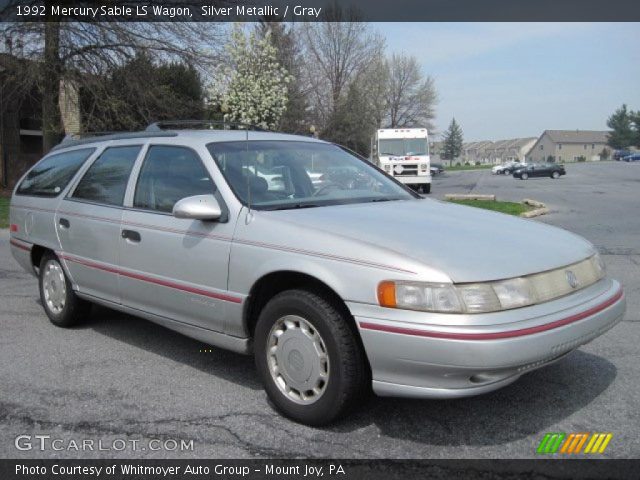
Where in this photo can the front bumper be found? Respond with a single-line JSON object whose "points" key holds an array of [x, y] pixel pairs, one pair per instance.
{"points": [[417, 180], [423, 355]]}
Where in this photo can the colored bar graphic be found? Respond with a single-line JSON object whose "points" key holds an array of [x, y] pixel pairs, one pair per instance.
{"points": [[572, 444], [550, 443], [598, 443]]}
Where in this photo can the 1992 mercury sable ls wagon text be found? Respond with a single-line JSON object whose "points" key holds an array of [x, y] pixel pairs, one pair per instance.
{"points": [[335, 276]]}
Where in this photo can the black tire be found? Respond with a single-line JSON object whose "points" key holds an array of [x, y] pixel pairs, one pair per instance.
{"points": [[555, 175], [507, 172], [348, 379], [524, 176], [426, 188], [75, 309]]}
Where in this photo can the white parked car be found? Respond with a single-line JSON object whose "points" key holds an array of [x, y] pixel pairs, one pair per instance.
{"points": [[507, 168]]}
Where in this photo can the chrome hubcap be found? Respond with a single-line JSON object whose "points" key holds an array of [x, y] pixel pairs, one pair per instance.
{"points": [[298, 359], [54, 287]]}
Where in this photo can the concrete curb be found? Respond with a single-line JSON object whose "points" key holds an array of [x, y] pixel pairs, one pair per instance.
{"points": [[540, 210], [535, 213], [533, 203]]}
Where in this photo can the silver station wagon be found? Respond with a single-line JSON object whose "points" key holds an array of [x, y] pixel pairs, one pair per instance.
{"points": [[333, 275]]}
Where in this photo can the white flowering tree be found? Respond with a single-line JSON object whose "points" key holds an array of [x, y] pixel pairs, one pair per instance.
{"points": [[253, 89]]}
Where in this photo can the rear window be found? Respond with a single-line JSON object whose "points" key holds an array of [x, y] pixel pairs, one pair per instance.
{"points": [[51, 175]]}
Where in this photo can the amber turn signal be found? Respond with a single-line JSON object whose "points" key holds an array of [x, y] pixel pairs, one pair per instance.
{"points": [[387, 294]]}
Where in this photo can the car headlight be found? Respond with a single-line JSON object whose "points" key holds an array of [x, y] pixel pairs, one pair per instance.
{"points": [[490, 296], [448, 298]]}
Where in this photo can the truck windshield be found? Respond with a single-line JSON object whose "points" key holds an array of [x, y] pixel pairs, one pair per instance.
{"points": [[403, 146], [279, 175]]}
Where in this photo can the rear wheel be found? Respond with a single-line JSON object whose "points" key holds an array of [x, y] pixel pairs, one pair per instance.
{"points": [[309, 358], [524, 176], [61, 304], [507, 172]]}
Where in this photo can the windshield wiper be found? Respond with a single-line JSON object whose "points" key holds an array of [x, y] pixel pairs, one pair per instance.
{"points": [[385, 199], [294, 206]]}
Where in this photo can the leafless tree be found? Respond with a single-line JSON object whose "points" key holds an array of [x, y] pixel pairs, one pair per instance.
{"points": [[88, 50], [337, 50], [411, 98]]}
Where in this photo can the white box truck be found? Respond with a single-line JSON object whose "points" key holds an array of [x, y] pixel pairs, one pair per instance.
{"points": [[404, 154]]}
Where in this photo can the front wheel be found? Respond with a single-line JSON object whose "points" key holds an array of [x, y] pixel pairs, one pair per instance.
{"points": [[524, 176], [426, 188], [309, 358], [61, 304], [555, 175]]}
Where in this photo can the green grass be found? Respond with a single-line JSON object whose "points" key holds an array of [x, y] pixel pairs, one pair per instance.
{"points": [[4, 212], [467, 167], [512, 208]]}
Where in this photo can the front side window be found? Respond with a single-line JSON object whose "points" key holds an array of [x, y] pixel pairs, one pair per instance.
{"points": [[276, 175], [50, 176], [106, 180], [170, 174]]}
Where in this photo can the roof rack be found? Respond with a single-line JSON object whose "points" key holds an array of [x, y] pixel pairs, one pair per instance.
{"points": [[92, 137], [203, 125]]}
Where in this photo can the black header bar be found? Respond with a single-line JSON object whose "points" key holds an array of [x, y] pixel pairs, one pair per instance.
{"points": [[322, 10]]}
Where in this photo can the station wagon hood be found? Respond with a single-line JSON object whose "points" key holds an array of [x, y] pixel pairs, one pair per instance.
{"points": [[468, 244]]}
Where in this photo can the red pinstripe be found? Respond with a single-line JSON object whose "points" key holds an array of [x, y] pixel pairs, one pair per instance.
{"points": [[229, 239], [21, 246], [495, 335], [157, 281]]}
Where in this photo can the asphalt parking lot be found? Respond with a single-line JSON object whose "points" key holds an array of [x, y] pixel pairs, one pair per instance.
{"points": [[118, 377]]}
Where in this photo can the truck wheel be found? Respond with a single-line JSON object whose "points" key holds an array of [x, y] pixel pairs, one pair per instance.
{"points": [[310, 361], [426, 188], [61, 304]]}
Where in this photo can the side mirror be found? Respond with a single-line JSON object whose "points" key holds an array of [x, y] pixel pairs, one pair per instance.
{"points": [[198, 207]]}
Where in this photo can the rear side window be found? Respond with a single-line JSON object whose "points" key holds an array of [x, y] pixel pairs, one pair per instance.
{"points": [[106, 180], [50, 176], [170, 174]]}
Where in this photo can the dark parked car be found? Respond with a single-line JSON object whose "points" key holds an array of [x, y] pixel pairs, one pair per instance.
{"points": [[621, 154], [552, 170], [436, 168]]}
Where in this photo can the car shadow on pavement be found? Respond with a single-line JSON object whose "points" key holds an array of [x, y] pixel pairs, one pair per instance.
{"points": [[534, 403], [159, 340]]}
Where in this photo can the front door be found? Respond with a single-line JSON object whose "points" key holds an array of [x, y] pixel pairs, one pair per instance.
{"points": [[174, 268], [88, 223]]}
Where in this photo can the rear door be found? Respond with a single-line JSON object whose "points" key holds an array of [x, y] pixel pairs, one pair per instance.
{"points": [[88, 222], [175, 268]]}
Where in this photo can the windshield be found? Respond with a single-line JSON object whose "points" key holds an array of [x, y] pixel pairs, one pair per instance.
{"points": [[276, 175], [403, 146]]}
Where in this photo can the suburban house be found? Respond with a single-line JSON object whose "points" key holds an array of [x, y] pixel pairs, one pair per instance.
{"points": [[500, 151], [511, 150], [569, 146], [473, 152]]}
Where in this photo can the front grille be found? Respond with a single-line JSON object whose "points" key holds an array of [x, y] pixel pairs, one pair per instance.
{"points": [[407, 170], [554, 283]]}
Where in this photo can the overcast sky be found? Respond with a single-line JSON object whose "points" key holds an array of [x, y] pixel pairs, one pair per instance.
{"points": [[505, 80]]}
